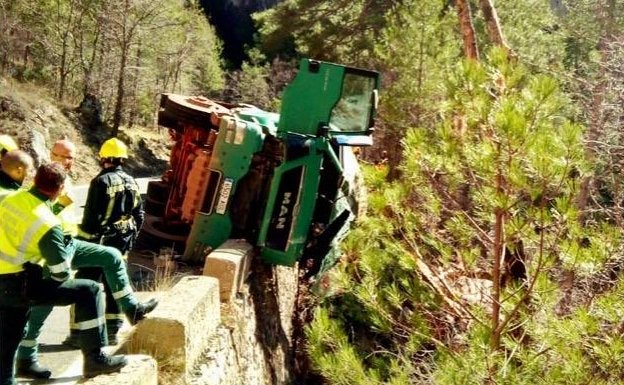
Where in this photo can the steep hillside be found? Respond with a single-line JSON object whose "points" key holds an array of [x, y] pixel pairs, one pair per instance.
{"points": [[36, 120]]}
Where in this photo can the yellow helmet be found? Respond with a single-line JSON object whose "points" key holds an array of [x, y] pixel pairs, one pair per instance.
{"points": [[114, 148], [7, 143]]}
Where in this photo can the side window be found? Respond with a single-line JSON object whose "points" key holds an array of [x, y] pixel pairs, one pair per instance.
{"points": [[353, 111]]}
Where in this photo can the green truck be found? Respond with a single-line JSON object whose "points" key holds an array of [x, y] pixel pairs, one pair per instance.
{"points": [[287, 183]]}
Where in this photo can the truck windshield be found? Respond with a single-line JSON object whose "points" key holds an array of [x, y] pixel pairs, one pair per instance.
{"points": [[354, 110]]}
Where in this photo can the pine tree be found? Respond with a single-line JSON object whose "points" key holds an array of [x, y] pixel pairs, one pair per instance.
{"points": [[505, 155]]}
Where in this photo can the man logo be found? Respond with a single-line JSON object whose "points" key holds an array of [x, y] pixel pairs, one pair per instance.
{"points": [[281, 219]]}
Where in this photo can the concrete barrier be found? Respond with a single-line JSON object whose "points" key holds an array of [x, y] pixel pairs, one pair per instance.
{"points": [[230, 265], [178, 330], [141, 370]]}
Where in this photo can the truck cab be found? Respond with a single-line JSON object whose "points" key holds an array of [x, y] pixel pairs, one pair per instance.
{"points": [[284, 182]]}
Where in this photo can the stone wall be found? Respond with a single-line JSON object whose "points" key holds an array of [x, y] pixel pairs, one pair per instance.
{"points": [[253, 345]]}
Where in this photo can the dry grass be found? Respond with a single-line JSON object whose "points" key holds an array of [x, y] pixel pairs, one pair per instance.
{"points": [[171, 368], [171, 373], [165, 270], [157, 271]]}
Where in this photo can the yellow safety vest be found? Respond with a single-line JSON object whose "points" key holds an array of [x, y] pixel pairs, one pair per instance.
{"points": [[4, 192], [25, 220]]}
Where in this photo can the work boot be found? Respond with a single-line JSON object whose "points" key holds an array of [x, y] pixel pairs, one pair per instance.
{"points": [[141, 309], [32, 369], [98, 362], [72, 340], [112, 339], [112, 328]]}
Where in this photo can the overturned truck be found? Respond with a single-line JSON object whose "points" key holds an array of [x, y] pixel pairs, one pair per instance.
{"points": [[286, 183]]}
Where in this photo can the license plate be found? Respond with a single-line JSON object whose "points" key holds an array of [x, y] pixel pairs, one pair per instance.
{"points": [[224, 196]]}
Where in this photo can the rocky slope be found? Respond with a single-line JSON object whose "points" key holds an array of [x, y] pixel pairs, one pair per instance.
{"points": [[36, 121]]}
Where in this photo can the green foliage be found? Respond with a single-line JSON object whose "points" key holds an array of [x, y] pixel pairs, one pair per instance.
{"points": [[252, 85], [177, 52], [342, 30], [532, 30], [125, 52], [413, 50], [594, 55], [501, 124], [584, 347], [187, 56], [586, 26], [330, 346], [381, 314], [505, 142]]}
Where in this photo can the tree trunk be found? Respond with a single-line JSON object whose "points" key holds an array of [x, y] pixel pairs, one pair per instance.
{"points": [[120, 91], [135, 86], [88, 65], [62, 72], [467, 29], [493, 25], [496, 278], [497, 251], [64, 65], [596, 108]]}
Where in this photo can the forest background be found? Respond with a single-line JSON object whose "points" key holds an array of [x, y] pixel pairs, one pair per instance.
{"points": [[492, 250]]}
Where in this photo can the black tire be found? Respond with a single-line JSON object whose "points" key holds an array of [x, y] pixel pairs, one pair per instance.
{"points": [[147, 241], [154, 208], [158, 191], [155, 226], [154, 234]]}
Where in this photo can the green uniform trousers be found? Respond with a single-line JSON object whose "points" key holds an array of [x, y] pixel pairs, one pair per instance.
{"points": [[14, 309], [86, 255]]}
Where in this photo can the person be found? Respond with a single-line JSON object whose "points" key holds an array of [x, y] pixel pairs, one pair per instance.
{"points": [[113, 212], [29, 234], [63, 152], [7, 144], [113, 215], [85, 255], [14, 167], [27, 363]]}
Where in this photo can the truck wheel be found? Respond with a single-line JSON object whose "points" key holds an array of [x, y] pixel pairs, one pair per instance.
{"points": [[158, 191], [155, 208], [189, 110], [155, 226], [155, 234], [147, 241]]}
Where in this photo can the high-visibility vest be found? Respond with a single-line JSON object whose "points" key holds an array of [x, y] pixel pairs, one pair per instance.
{"points": [[4, 192], [25, 220]]}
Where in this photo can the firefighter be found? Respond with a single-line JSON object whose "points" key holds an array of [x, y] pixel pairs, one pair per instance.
{"points": [[29, 234], [113, 215], [7, 144]]}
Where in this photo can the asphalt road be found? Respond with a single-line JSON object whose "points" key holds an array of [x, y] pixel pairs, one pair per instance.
{"points": [[66, 365]]}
